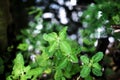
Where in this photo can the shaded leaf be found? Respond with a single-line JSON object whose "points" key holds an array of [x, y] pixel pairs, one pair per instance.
{"points": [[85, 71], [97, 72], [74, 58], [88, 78], [97, 66], [58, 75], [85, 59], [62, 64], [97, 57]]}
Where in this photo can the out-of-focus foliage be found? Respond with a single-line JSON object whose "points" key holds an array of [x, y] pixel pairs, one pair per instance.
{"points": [[49, 52]]}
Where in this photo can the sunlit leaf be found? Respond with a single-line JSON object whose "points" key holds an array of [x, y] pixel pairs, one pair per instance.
{"points": [[53, 47], [23, 46], [65, 47], [50, 37], [62, 33]]}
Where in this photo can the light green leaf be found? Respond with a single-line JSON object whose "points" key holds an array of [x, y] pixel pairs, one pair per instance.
{"points": [[97, 57], [50, 37], [26, 69], [9, 78], [65, 47], [97, 66], [19, 60], [18, 65], [97, 72], [35, 72], [63, 78], [53, 47], [85, 59], [23, 46], [85, 71], [62, 33], [74, 58]]}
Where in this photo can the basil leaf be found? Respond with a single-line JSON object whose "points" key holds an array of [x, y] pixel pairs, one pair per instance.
{"points": [[58, 75], [50, 37], [97, 57], [97, 72], [85, 59], [63, 64], [53, 47], [74, 58], [65, 47], [97, 66], [85, 71], [62, 33]]}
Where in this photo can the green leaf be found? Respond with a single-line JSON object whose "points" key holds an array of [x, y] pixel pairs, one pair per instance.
{"points": [[97, 66], [63, 64], [19, 61], [9, 78], [23, 46], [63, 78], [58, 75], [53, 47], [62, 33], [35, 72], [50, 37], [85, 59], [18, 66], [97, 72], [74, 58], [88, 78], [97, 57], [85, 71], [65, 47]]}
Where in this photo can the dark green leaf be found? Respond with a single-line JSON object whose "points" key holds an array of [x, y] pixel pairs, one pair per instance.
{"points": [[97, 72], [65, 47], [84, 59], [97, 57], [88, 78], [85, 71], [50, 37]]}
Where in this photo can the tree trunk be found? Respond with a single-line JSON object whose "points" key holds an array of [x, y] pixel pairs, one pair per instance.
{"points": [[4, 22]]}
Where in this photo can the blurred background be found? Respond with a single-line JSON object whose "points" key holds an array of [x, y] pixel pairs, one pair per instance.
{"points": [[94, 24]]}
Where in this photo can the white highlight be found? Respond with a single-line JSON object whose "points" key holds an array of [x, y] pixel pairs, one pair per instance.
{"points": [[48, 15], [111, 39]]}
